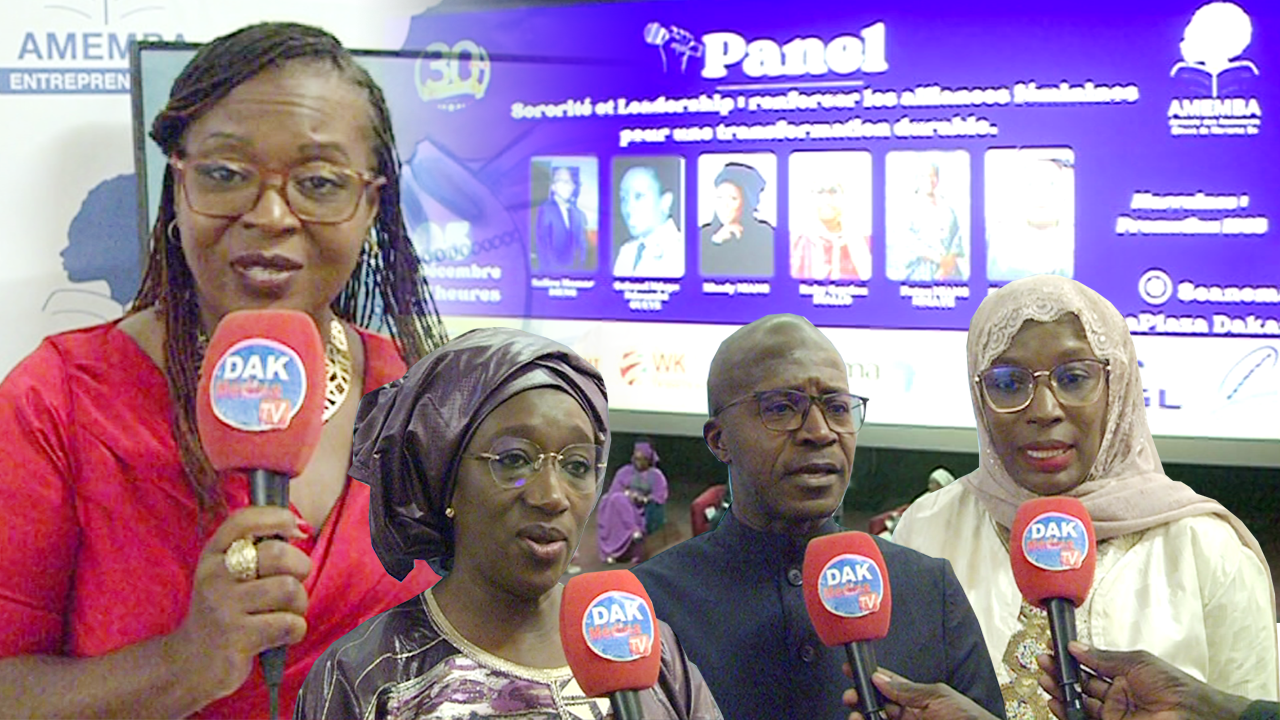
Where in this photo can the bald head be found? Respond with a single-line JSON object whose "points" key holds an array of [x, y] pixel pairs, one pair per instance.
{"points": [[757, 351]]}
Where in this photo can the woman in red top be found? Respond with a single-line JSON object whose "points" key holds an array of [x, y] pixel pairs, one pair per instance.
{"points": [[118, 598]]}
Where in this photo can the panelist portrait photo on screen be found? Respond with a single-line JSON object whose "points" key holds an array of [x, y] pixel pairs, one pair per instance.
{"points": [[647, 222], [737, 213], [830, 215], [566, 214], [1030, 212], [927, 216]]}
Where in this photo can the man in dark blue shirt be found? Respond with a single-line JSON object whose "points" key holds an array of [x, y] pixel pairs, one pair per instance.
{"points": [[784, 422]]}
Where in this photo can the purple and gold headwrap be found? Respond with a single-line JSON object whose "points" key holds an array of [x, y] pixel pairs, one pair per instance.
{"points": [[411, 433]]}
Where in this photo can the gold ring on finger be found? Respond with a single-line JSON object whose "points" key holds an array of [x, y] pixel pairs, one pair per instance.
{"points": [[241, 559]]}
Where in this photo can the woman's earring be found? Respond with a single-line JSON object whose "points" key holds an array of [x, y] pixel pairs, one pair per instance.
{"points": [[448, 512], [172, 232]]}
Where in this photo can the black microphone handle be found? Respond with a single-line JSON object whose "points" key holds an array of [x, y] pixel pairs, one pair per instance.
{"points": [[626, 705], [1062, 625], [267, 487], [862, 660]]}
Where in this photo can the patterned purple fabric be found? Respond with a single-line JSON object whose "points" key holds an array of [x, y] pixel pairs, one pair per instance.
{"points": [[410, 663]]}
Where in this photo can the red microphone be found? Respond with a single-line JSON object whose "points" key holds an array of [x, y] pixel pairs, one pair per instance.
{"points": [[259, 409], [1053, 551], [846, 590], [610, 637]]}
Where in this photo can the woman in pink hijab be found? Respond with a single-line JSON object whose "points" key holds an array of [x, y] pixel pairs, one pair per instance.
{"points": [[1056, 393]]}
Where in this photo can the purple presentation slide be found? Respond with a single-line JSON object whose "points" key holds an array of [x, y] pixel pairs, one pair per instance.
{"points": [[868, 165]]}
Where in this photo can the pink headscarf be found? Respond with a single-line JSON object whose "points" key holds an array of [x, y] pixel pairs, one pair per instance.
{"points": [[647, 450], [1126, 490]]}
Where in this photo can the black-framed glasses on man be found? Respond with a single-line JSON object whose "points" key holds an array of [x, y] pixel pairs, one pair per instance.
{"points": [[1010, 388], [316, 192], [787, 410], [513, 462]]}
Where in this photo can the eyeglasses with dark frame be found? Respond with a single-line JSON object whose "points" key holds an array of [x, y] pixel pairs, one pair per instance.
{"points": [[1011, 388], [518, 461], [316, 192], [787, 410]]}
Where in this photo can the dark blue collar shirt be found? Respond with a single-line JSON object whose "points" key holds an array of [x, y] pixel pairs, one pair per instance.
{"points": [[733, 597]]}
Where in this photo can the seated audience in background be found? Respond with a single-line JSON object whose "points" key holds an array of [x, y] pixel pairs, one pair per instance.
{"points": [[783, 420], [634, 508], [119, 599], [1139, 686], [708, 509], [1059, 406], [646, 484], [939, 478], [619, 527], [485, 460], [884, 523]]}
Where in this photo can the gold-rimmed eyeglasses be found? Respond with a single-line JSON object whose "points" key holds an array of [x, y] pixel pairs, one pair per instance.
{"points": [[316, 192], [787, 410], [1010, 388], [514, 462]]}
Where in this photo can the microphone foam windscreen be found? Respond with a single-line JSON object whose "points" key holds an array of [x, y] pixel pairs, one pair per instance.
{"points": [[1053, 550], [260, 402], [609, 632], [846, 588]]}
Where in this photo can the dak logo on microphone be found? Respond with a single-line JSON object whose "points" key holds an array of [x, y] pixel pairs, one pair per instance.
{"points": [[851, 586], [258, 384], [1055, 541], [619, 626]]}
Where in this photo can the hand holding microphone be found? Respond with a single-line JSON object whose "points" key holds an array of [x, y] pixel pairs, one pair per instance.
{"points": [[846, 590], [229, 621], [1054, 553], [259, 410], [610, 637], [907, 700]]}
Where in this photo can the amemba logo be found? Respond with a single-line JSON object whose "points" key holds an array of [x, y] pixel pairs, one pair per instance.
{"points": [[1215, 108], [94, 46], [99, 45], [78, 46], [1213, 50], [767, 58]]}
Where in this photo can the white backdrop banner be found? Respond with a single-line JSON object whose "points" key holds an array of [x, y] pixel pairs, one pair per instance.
{"points": [[68, 234]]}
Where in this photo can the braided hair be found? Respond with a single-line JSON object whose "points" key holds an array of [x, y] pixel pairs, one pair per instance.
{"points": [[386, 284]]}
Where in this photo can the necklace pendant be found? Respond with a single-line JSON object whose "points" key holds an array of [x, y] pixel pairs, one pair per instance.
{"points": [[337, 365]]}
